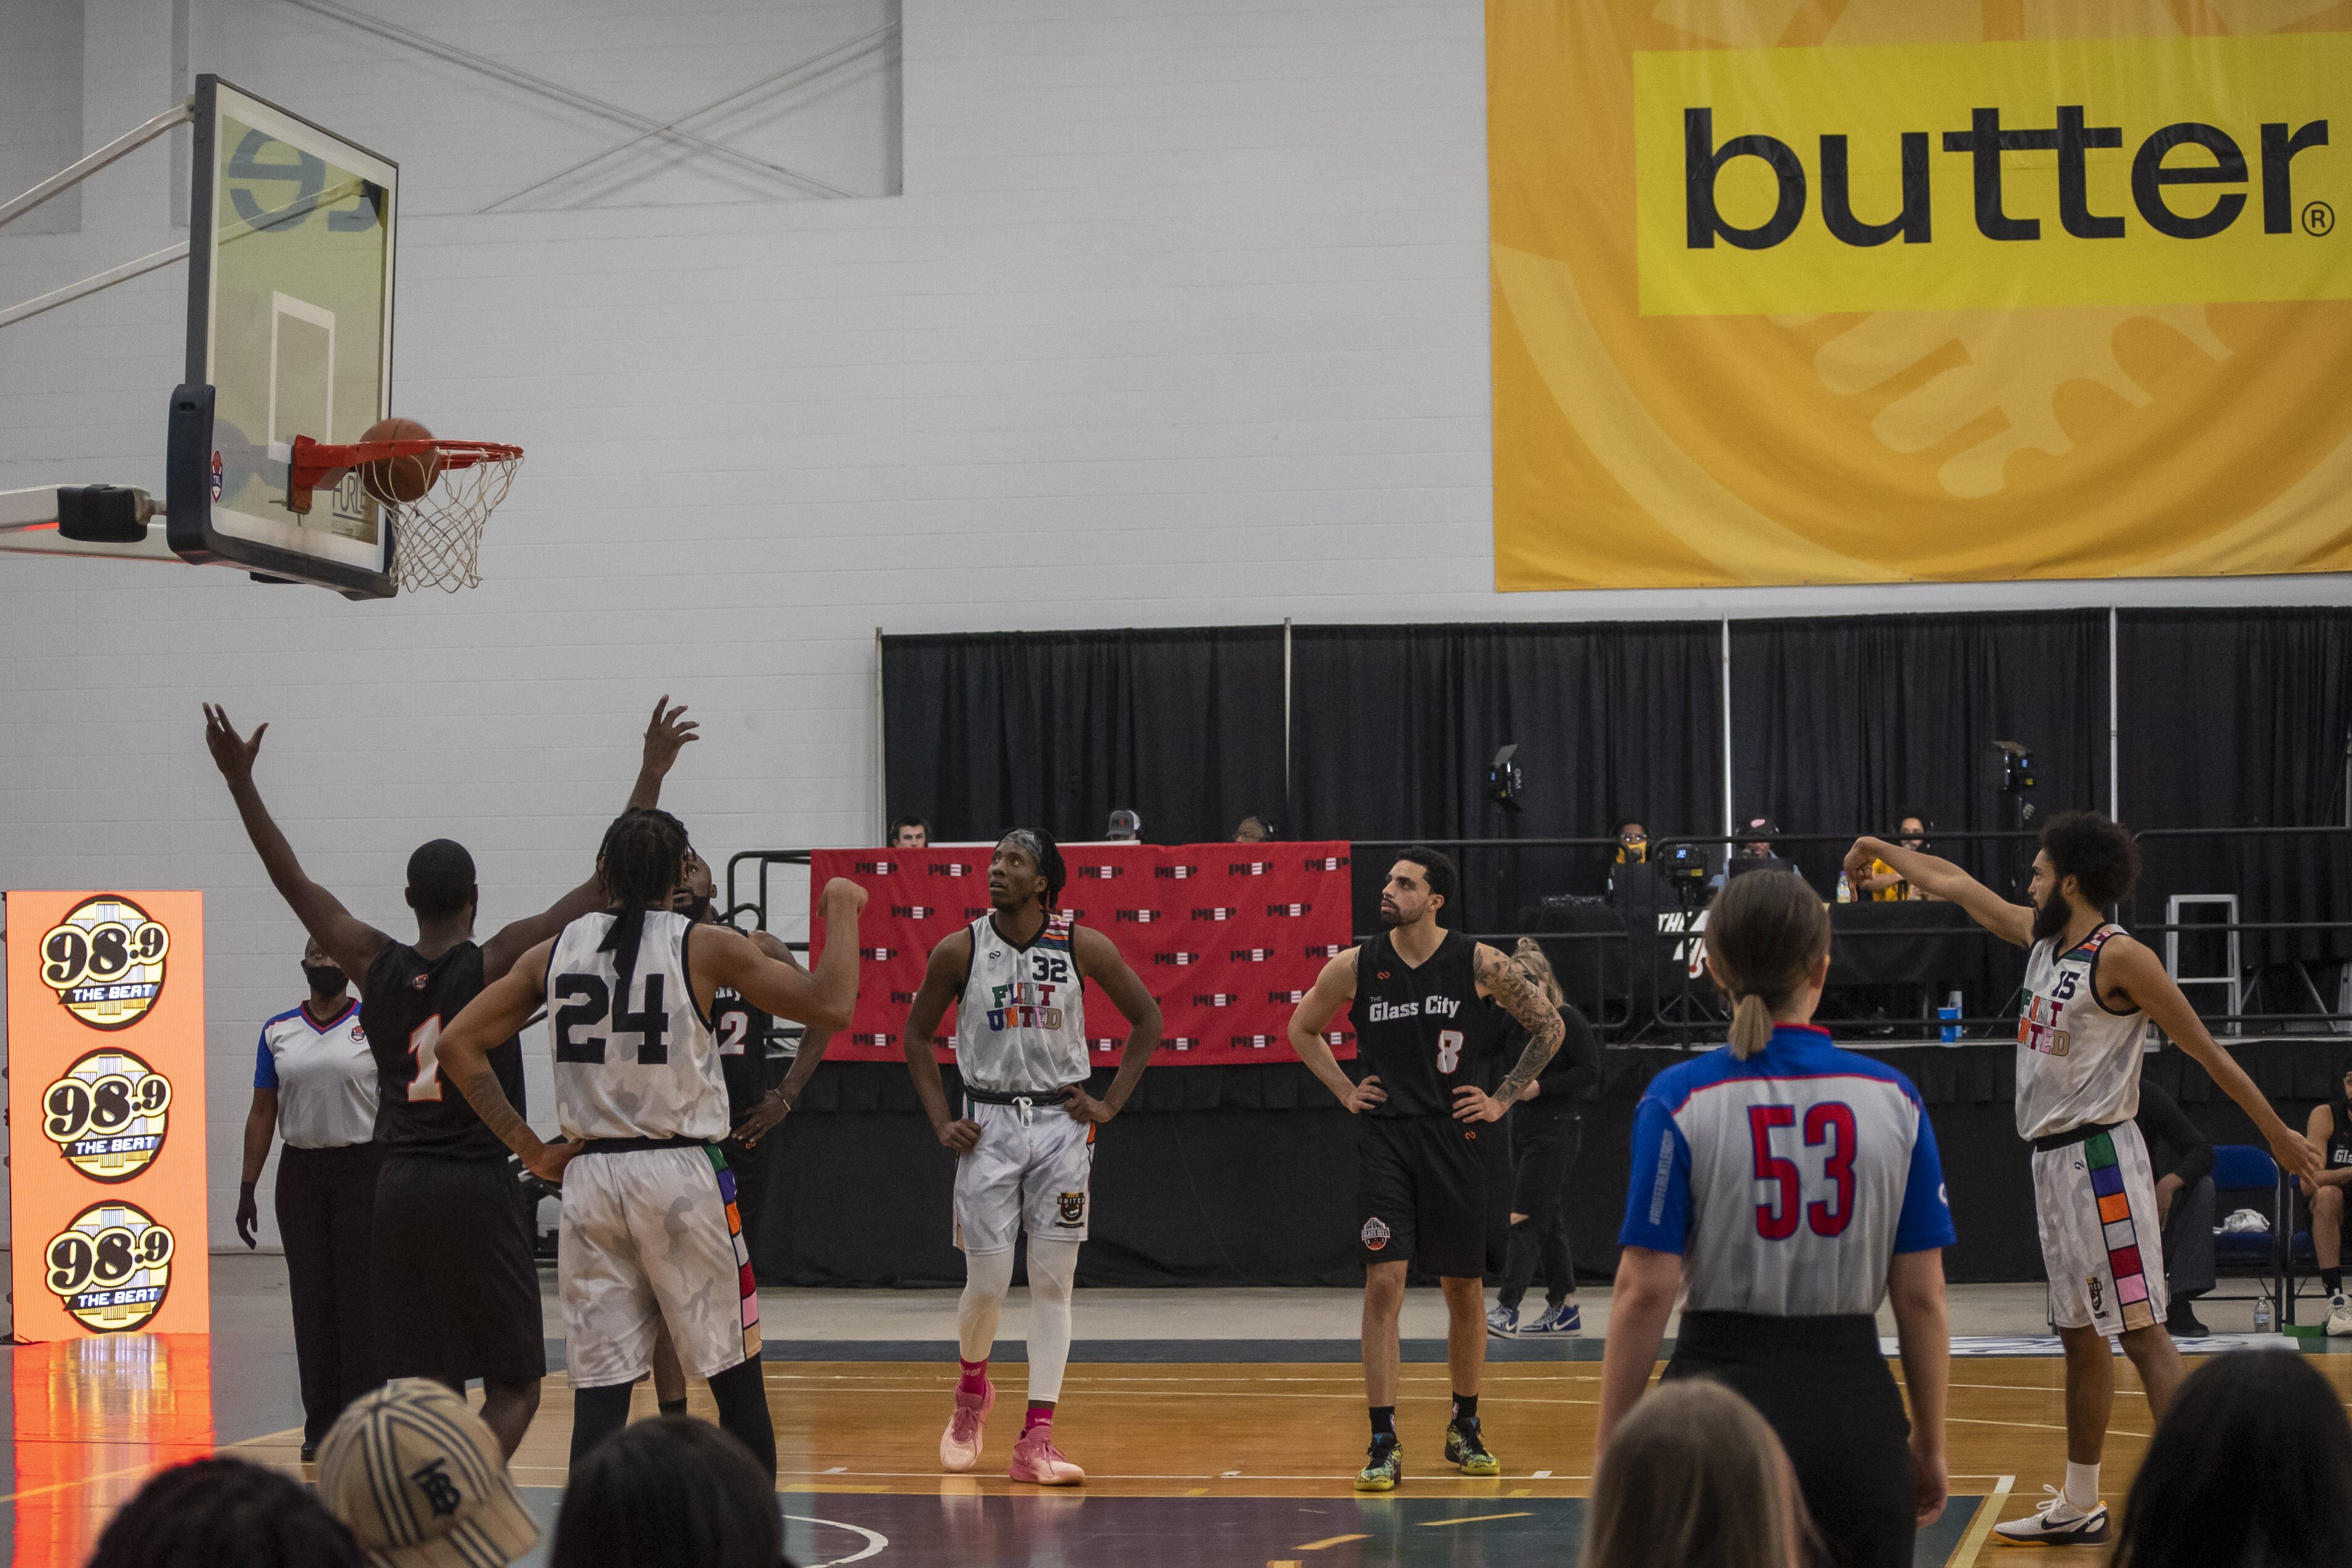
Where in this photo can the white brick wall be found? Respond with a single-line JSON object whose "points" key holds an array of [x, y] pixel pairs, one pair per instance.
{"points": [[1181, 320]]}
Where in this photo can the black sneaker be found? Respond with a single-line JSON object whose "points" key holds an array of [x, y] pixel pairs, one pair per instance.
{"points": [[2181, 1322], [1384, 1464], [309, 1452], [1466, 1450]]}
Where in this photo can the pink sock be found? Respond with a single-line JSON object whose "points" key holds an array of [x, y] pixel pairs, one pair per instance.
{"points": [[1039, 1415], [975, 1376]]}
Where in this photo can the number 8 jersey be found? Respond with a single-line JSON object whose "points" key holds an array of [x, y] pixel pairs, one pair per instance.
{"points": [[641, 1066], [1787, 1181], [1426, 1031]]}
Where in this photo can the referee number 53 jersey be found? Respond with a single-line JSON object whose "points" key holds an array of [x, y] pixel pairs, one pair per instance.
{"points": [[1787, 1181]]}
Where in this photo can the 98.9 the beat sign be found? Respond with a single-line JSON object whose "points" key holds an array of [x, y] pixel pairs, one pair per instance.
{"points": [[108, 1115], [111, 1267], [105, 961]]}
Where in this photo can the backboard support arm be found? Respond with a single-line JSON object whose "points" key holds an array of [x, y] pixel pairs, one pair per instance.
{"points": [[73, 175]]}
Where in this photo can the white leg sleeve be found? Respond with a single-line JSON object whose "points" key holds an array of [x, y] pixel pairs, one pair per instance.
{"points": [[986, 1277], [1053, 1271]]}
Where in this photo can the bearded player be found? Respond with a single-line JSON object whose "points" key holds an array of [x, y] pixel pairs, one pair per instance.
{"points": [[1431, 1008], [2091, 993], [1024, 1145]]}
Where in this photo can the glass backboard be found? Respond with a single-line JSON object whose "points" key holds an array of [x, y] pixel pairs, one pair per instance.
{"points": [[290, 333]]}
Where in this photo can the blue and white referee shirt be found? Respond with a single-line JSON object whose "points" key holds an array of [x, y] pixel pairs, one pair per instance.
{"points": [[1787, 1181], [325, 1077]]}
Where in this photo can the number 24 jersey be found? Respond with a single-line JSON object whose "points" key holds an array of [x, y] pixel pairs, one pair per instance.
{"points": [[1787, 1181]]}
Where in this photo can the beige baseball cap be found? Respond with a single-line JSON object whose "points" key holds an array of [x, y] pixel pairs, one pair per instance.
{"points": [[420, 1481]]}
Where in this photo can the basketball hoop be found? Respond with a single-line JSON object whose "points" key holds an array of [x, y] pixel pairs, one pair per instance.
{"points": [[438, 534]]}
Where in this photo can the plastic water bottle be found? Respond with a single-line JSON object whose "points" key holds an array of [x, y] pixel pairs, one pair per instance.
{"points": [[1845, 889], [2262, 1314]]}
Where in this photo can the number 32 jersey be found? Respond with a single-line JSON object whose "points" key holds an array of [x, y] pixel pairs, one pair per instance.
{"points": [[642, 1066], [1425, 1031], [1021, 1023], [1787, 1181]]}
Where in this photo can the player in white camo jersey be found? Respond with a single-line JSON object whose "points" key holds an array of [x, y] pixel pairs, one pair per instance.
{"points": [[1789, 1188], [1024, 1145], [2091, 991], [651, 1238]]}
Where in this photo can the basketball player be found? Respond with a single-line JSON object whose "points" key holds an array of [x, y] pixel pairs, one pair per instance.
{"points": [[1789, 1187], [752, 1108], [2323, 1195], [1024, 1146], [2091, 991], [1431, 1008], [456, 1291], [651, 1239]]}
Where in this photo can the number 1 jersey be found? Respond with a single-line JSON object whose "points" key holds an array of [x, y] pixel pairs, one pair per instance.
{"points": [[640, 1066], [407, 999]]}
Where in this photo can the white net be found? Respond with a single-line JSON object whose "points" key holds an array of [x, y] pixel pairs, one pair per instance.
{"points": [[439, 535]]}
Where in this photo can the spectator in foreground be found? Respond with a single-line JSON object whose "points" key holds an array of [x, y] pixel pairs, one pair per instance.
{"points": [[910, 833], [224, 1513], [420, 1481], [672, 1492], [2250, 1467], [1692, 1478]]}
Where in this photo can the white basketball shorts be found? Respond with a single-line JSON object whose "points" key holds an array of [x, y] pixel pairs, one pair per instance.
{"points": [[651, 1236], [1031, 1170], [2101, 1245]]}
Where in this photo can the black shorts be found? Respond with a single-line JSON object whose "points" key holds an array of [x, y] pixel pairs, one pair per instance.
{"points": [[457, 1292], [1822, 1385], [1421, 1193]]}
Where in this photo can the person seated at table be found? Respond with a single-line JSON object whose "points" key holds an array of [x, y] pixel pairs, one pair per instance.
{"points": [[1632, 848], [1756, 849], [1881, 882], [1253, 829]]}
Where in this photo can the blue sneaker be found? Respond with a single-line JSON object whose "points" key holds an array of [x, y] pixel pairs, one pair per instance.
{"points": [[1564, 1321], [1503, 1322]]}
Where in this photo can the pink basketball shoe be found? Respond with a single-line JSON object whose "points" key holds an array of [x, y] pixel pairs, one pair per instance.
{"points": [[959, 1444]]}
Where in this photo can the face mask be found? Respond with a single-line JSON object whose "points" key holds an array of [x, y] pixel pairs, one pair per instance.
{"points": [[695, 906], [325, 980]]}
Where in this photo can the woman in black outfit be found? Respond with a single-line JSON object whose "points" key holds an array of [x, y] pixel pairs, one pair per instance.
{"points": [[1546, 1129]]}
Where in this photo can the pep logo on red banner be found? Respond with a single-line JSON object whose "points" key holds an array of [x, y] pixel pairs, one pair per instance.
{"points": [[1227, 946]]}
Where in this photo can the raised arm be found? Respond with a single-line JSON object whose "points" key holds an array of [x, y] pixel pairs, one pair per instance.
{"points": [[1334, 988], [943, 982], [1099, 961], [666, 736], [1532, 1010], [350, 941], [2131, 968], [1940, 878], [500, 1010], [823, 999]]}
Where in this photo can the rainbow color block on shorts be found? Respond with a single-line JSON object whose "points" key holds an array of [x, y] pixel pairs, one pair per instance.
{"points": [[748, 1285], [2123, 1265]]}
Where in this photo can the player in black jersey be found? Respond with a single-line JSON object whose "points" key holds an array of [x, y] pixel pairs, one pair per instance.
{"points": [[752, 1107], [1431, 1008], [456, 1291]]}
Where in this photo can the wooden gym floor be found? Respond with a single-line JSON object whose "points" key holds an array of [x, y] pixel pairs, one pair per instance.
{"points": [[1242, 1458]]}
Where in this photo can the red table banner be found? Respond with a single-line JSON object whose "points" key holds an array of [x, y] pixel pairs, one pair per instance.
{"points": [[1228, 937]]}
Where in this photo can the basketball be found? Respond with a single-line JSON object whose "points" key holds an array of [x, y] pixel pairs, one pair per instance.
{"points": [[399, 478]]}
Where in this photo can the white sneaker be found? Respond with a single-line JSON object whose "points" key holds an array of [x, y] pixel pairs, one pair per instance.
{"points": [[2056, 1522], [2339, 1315]]}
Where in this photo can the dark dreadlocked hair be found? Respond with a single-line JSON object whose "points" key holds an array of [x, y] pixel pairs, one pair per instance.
{"points": [[643, 857], [216, 1510], [1039, 845]]}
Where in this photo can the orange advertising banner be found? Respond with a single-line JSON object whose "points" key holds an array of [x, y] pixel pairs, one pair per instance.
{"points": [[106, 1109]]}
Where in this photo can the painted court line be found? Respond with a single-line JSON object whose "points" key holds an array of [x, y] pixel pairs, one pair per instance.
{"points": [[1330, 1541], [1964, 1555], [1475, 1518]]}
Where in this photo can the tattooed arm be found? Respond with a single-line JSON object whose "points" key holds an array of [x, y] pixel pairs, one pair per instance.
{"points": [[503, 1007], [1509, 985]]}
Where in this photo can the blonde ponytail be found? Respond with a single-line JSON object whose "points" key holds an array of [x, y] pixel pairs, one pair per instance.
{"points": [[1751, 1026], [1528, 954]]}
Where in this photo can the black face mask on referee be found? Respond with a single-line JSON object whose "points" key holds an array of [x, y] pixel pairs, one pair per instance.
{"points": [[324, 979]]}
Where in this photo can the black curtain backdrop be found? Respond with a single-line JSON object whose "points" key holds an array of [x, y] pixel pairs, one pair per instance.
{"points": [[1393, 729], [1838, 725], [1225, 1175], [985, 731], [2240, 719]]}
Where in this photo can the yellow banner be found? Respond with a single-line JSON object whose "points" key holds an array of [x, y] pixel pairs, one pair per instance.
{"points": [[1795, 292]]}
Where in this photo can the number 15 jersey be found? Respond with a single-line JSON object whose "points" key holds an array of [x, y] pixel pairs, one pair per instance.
{"points": [[1787, 1181], [641, 1066]]}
